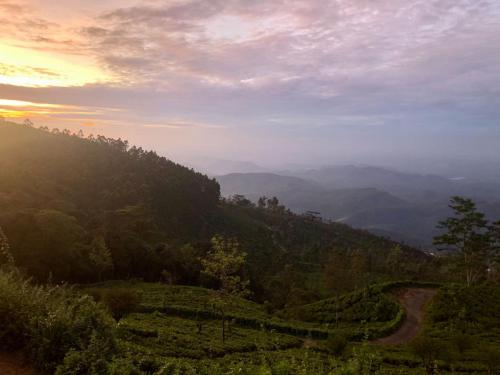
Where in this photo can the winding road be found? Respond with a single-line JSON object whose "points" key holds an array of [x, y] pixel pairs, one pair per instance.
{"points": [[413, 301]]}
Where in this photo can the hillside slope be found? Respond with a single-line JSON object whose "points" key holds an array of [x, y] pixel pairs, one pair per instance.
{"points": [[84, 209]]}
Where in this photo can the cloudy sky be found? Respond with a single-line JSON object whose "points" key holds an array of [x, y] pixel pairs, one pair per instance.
{"points": [[272, 81]]}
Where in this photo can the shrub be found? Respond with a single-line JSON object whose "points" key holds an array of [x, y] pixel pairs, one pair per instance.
{"points": [[462, 342], [336, 344], [490, 357], [429, 350], [123, 366], [53, 325], [92, 360], [177, 367], [119, 301]]}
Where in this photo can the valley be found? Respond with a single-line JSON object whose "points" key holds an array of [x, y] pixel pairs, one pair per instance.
{"points": [[401, 206]]}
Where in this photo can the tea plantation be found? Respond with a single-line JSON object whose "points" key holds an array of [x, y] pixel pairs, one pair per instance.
{"points": [[175, 329]]}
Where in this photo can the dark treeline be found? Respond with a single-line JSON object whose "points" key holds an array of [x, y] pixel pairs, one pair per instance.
{"points": [[82, 209]]}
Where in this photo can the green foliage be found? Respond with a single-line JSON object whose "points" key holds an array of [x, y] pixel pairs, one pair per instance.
{"points": [[281, 241], [490, 357], [81, 209], [467, 309], [160, 335], [336, 344], [50, 324], [466, 320], [6, 258], [429, 350], [224, 263], [462, 342], [467, 233], [92, 360], [370, 305], [119, 301], [100, 256], [57, 190]]}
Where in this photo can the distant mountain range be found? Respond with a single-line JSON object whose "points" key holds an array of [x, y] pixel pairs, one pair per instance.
{"points": [[215, 167], [402, 206]]}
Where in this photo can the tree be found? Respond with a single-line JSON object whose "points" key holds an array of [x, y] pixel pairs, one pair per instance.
{"points": [[494, 252], [468, 235], [359, 268], [394, 261], [49, 244], [27, 122], [6, 257], [240, 200], [338, 278], [224, 263], [100, 256], [261, 203], [337, 273], [273, 204]]}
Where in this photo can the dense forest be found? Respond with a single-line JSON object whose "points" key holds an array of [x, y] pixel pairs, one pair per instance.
{"points": [[115, 260], [82, 210]]}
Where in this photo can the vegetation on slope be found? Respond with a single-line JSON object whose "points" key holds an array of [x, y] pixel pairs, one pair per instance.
{"points": [[86, 210], [89, 209], [54, 326]]}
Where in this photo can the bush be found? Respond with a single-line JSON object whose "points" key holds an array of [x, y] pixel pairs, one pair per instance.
{"points": [[462, 342], [119, 301], [123, 366], [429, 350], [336, 344], [490, 357], [177, 367], [54, 325]]}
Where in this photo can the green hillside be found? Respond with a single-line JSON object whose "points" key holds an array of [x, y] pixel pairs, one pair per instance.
{"points": [[88, 209], [174, 330], [116, 261]]}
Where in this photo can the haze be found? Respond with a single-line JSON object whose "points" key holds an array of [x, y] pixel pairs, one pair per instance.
{"points": [[272, 82]]}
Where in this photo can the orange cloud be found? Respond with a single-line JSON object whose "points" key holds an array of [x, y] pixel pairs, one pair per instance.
{"points": [[88, 124]]}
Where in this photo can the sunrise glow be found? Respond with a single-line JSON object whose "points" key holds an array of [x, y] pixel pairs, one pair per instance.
{"points": [[34, 68], [238, 79]]}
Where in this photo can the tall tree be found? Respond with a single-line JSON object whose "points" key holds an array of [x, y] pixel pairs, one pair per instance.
{"points": [[100, 256], [394, 261], [224, 263], [494, 252], [467, 234]]}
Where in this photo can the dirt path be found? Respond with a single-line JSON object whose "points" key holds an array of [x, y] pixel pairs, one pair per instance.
{"points": [[413, 301], [14, 364]]}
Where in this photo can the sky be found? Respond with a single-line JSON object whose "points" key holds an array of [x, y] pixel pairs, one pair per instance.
{"points": [[269, 81]]}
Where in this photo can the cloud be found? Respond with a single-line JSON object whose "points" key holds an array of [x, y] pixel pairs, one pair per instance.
{"points": [[323, 45], [311, 65]]}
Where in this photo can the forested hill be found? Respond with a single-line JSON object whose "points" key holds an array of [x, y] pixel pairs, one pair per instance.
{"points": [[82, 209], [60, 191]]}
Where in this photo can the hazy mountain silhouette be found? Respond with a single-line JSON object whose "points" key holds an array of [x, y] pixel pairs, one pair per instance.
{"points": [[403, 206]]}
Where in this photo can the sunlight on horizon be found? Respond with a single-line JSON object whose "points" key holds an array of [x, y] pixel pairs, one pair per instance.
{"points": [[32, 68]]}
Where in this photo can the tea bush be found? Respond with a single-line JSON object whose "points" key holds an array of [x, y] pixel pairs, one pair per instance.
{"points": [[119, 301]]}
